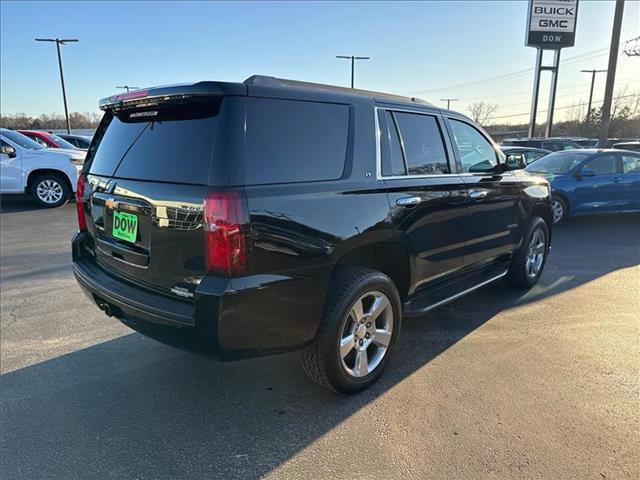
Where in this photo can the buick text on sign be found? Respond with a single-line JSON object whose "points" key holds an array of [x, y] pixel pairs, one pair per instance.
{"points": [[552, 23]]}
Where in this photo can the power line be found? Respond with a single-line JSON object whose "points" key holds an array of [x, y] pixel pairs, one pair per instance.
{"points": [[582, 90], [567, 61], [564, 87], [561, 108]]}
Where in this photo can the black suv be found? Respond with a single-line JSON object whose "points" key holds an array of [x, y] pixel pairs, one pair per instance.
{"points": [[241, 219]]}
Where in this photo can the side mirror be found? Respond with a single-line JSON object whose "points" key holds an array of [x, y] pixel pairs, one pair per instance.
{"points": [[587, 172], [516, 161], [9, 150]]}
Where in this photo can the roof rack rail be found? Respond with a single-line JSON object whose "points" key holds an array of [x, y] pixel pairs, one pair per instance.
{"points": [[269, 81]]}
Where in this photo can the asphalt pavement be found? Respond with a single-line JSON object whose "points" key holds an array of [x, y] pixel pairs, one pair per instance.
{"points": [[500, 384]]}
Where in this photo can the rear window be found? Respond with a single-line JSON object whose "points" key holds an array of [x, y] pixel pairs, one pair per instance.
{"points": [[167, 144], [294, 141]]}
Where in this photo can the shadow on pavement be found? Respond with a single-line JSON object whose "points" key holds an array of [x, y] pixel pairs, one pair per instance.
{"points": [[21, 203], [132, 408]]}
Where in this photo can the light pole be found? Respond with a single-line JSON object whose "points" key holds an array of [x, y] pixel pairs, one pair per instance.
{"points": [[353, 63], [61, 41], [593, 81], [448, 100], [128, 87]]}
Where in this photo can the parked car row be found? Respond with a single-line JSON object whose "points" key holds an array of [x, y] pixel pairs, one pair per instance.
{"points": [[584, 181], [591, 181], [48, 173], [555, 144]]}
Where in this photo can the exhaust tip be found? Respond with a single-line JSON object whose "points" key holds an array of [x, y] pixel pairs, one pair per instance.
{"points": [[106, 308]]}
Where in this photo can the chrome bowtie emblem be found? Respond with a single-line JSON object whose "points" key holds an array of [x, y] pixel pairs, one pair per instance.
{"points": [[111, 203]]}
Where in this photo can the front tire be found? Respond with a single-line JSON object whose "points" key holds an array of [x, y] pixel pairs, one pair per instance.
{"points": [[559, 209], [50, 190], [529, 261], [358, 331]]}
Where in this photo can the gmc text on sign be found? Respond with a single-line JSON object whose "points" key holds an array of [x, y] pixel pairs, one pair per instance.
{"points": [[551, 23]]}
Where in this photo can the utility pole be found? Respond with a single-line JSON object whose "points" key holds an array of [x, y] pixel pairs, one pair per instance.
{"points": [[353, 64], [593, 81], [61, 41], [611, 72], [128, 87], [448, 100]]}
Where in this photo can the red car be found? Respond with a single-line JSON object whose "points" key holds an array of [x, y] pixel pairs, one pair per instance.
{"points": [[48, 140]]}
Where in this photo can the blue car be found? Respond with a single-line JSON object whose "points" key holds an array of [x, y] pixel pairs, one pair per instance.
{"points": [[591, 181]]}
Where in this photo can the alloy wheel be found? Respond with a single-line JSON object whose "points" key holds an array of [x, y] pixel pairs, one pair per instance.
{"points": [[49, 191], [366, 334], [535, 254], [558, 210]]}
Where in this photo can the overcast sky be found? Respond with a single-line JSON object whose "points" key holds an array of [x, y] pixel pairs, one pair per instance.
{"points": [[428, 49]]}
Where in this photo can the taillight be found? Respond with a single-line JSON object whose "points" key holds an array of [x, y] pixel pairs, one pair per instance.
{"points": [[82, 182], [225, 223]]}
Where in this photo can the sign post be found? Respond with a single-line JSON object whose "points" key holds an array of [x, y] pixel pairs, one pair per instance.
{"points": [[551, 25]]}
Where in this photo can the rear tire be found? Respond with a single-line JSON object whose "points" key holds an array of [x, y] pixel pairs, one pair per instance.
{"points": [[528, 262], [50, 190], [358, 331]]}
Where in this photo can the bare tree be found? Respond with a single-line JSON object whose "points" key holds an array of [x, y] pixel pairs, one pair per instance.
{"points": [[481, 112]]}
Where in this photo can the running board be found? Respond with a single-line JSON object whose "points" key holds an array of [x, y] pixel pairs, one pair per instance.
{"points": [[442, 293]]}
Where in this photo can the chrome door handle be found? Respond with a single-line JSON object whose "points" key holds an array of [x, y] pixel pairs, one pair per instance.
{"points": [[408, 201], [617, 180], [478, 194]]}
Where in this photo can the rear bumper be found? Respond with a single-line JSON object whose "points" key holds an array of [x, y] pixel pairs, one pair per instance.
{"points": [[228, 318]]}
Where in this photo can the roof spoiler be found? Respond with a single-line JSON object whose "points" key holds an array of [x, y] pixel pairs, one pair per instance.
{"points": [[169, 93]]}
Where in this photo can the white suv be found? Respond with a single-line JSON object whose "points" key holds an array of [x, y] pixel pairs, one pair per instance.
{"points": [[48, 175]]}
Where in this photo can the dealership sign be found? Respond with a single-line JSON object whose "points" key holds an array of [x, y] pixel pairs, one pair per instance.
{"points": [[551, 23]]}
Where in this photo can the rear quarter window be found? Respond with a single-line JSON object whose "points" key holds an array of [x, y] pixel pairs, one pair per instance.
{"points": [[294, 141]]}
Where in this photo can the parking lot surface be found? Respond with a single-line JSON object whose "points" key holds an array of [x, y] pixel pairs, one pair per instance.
{"points": [[501, 384]]}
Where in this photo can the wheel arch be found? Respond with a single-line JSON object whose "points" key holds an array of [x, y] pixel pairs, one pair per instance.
{"points": [[544, 211], [389, 257], [35, 173]]}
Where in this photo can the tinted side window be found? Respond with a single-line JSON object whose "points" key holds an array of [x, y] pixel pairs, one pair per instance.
{"points": [[423, 145], [294, 141], [604, 165], [631, 164], [391, 152], [476, 152]]}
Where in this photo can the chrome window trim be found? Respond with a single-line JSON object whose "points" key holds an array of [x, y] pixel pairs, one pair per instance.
{"points": [[379, 175]]}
